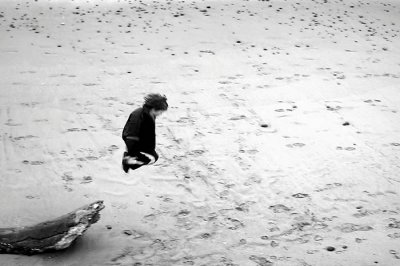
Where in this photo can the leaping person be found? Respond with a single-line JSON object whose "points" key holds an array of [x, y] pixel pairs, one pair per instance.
{"points": [[139, 133]]}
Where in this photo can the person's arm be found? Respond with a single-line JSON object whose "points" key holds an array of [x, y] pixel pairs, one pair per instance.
{"points": [[131, 131]]}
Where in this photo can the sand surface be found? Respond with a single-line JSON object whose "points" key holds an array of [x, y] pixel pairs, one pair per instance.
{"points": [[281, 145]]}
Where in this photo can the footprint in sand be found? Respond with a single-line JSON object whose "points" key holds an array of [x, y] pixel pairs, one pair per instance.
{"points": [[182, 214], [33, 162], [124, 256], [11, 123], [90, 84], [339, 148], [32, 197], [112, 148], [360, 240], [394, 223], [300, 195], [86, 180], [150, 217], [133, 233], [295, 145], [204, 235], [25, 137], [274, 244], [335, 108], [279, 208], [312, 251], [395, 254], [394, 235], [196, 152], [74, 129], [234, 224], [329, 186], [372, 101], [88, 158], [159, 244], [362, 212], [67, 177], [244, 207], [349, 228], [240, 117], [260, 261], [30, 104]]}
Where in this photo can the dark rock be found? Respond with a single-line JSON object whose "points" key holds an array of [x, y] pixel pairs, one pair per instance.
{"points": [[330, 248]]}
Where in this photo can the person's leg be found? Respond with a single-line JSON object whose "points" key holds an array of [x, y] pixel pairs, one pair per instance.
{"points": [[130, 147], [155, 154], [134, 166], [125, 164], [148, 158], [130, 159]]}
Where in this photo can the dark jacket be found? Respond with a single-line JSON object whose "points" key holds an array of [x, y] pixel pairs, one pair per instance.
{"points": [[140, 129]]}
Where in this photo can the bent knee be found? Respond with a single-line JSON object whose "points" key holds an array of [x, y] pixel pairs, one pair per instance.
{"points": [[148, 158]]}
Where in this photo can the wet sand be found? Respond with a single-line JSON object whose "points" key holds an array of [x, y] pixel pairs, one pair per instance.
{"points": [[281, 145]]}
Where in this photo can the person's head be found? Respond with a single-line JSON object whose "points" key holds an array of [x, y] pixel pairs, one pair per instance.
{"points": [[156, 103]]}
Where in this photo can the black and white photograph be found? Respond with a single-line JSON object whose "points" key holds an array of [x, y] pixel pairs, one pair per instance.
{"points": [[199, 132]]}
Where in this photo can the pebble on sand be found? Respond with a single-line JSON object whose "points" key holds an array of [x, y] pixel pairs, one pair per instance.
{"points": [[127, 232], [330, 248]]}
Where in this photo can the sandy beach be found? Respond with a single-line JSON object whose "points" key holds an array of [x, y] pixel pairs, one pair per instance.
{"points": [[281, 145]]}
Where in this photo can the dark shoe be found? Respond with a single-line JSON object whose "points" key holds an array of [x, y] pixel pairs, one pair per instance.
{"points": [[125, 166], [135, 166]]}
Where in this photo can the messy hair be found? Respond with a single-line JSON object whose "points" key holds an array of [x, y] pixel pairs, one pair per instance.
{"points": [[156, 101]]}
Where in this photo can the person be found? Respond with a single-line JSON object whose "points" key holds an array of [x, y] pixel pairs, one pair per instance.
{"points": [[139, 133]]}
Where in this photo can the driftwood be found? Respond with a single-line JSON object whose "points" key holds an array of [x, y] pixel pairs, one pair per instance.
{"points": [[51, 235]]}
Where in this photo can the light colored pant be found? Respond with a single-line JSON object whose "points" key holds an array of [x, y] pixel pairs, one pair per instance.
{"points": [[150, 159]]}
